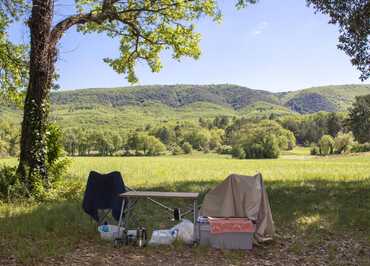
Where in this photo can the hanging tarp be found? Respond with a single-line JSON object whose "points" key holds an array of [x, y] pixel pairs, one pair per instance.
{"points": [[241, 196]]}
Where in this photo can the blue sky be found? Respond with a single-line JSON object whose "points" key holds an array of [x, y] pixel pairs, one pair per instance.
{"points": [[274, 45]]}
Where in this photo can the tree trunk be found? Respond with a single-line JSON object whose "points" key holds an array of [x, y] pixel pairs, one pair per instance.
{"points": [[42, 58]]}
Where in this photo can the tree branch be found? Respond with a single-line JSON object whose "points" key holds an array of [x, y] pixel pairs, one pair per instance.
{"points": [[107, 13]]}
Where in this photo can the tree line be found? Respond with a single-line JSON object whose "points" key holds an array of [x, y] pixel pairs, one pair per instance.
{"points": [[326, 133]]}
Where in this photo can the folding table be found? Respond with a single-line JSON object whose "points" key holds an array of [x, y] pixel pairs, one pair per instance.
{"points": [[150, 195]]}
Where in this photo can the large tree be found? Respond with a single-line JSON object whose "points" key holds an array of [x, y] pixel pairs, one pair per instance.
{"points": [[359, 119], [145, 28]]}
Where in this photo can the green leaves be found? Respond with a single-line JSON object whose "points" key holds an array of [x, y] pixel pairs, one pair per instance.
{"points": [[13, 57], [353, 19], [244, 3], [359, 119], [146, 28]]}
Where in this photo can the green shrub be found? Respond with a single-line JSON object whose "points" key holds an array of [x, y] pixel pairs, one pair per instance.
{"points": [[264, 147], [176, 150], [326, 145], [254, 151], [151, 146], [365, 147], [199, 139], [271, 147], [315, 150], [7, 179], [224, 149], [262, 139], [343, 142], [206, 149], [187, 148], [11, 186], [238, 152]]}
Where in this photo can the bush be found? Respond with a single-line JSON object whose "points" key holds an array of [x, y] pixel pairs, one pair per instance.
{"points": [[254, 151], [315, 150], [365, 147], [176, 150], [238, 152], [270, 147], [266, 147], [153, 146], [224, 149], [8, 178], [187, 148], [326, 145], [199, 139], [206, 149], [343, 142]]}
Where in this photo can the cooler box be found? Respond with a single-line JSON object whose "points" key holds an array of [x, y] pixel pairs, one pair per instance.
{"points": [[227, 233]]}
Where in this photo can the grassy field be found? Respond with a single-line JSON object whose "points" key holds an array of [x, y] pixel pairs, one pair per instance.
{"points": [[316, 202]]}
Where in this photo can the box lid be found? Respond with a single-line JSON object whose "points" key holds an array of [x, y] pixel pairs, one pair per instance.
{"points": [[231, 225]]}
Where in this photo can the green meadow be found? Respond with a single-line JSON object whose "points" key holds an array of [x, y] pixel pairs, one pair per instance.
{"points": [[313, 199]]}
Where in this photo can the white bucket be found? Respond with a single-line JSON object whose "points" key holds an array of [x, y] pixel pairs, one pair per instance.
{"points": [[113, 232]]}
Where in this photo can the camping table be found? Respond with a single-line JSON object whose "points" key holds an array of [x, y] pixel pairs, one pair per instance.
{"points": [[149, 195]]}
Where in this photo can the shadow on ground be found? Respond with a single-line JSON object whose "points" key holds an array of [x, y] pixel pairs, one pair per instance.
{"points": [[306, 213]]}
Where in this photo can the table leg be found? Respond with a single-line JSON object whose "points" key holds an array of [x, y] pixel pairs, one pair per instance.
{"points": [[195, 209], [121, 214]]}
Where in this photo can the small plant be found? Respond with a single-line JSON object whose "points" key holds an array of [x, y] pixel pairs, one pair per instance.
{"points": [[10, 185], [187, 148]]}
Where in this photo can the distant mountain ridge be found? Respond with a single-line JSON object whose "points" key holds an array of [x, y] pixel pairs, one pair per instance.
{"points": [[137, 106], [325, 98], [232, 96]]}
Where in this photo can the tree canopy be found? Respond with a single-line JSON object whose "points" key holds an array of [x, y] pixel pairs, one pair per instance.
{"points": [[13, 57], [359, 119], [145, 28]]}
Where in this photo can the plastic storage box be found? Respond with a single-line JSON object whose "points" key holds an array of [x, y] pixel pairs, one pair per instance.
{"points": [[229, 234]]}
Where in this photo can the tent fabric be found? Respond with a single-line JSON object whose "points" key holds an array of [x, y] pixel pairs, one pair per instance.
{"points": [[241, 196], [102, 192]]}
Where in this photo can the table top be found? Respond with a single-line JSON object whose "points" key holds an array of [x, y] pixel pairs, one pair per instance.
{"points": [[158, 194]]}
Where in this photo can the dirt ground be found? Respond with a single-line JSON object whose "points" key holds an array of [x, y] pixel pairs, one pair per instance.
{"points": [[286, 251]]}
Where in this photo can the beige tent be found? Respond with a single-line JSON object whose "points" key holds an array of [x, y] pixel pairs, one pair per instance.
{"points": [[241, 196]]}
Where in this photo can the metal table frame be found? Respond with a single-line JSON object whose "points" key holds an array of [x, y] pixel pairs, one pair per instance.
{"points": [[149, 195]]}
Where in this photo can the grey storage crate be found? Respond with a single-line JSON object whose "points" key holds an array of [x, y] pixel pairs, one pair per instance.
{"points": [[224, 240], [204, 234]]}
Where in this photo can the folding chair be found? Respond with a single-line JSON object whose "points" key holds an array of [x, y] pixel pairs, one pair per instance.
{"points": [[102, 196]]}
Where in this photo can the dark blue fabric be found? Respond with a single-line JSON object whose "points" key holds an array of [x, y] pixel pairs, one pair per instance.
{"points": [[102, 192]]}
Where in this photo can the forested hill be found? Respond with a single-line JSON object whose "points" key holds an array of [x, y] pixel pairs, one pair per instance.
{"points": [[231, 96], [136, 106], [327, 98]]}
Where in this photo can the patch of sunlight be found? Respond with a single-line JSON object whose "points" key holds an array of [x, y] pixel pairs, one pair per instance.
{"points": [[309, 220]]}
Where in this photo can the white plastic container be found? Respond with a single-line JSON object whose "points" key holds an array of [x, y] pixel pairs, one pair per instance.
{"points": [[113, 232]]}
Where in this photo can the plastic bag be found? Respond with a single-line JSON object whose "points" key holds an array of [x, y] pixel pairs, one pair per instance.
{"points": [[185, 231], [163, 237]]}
